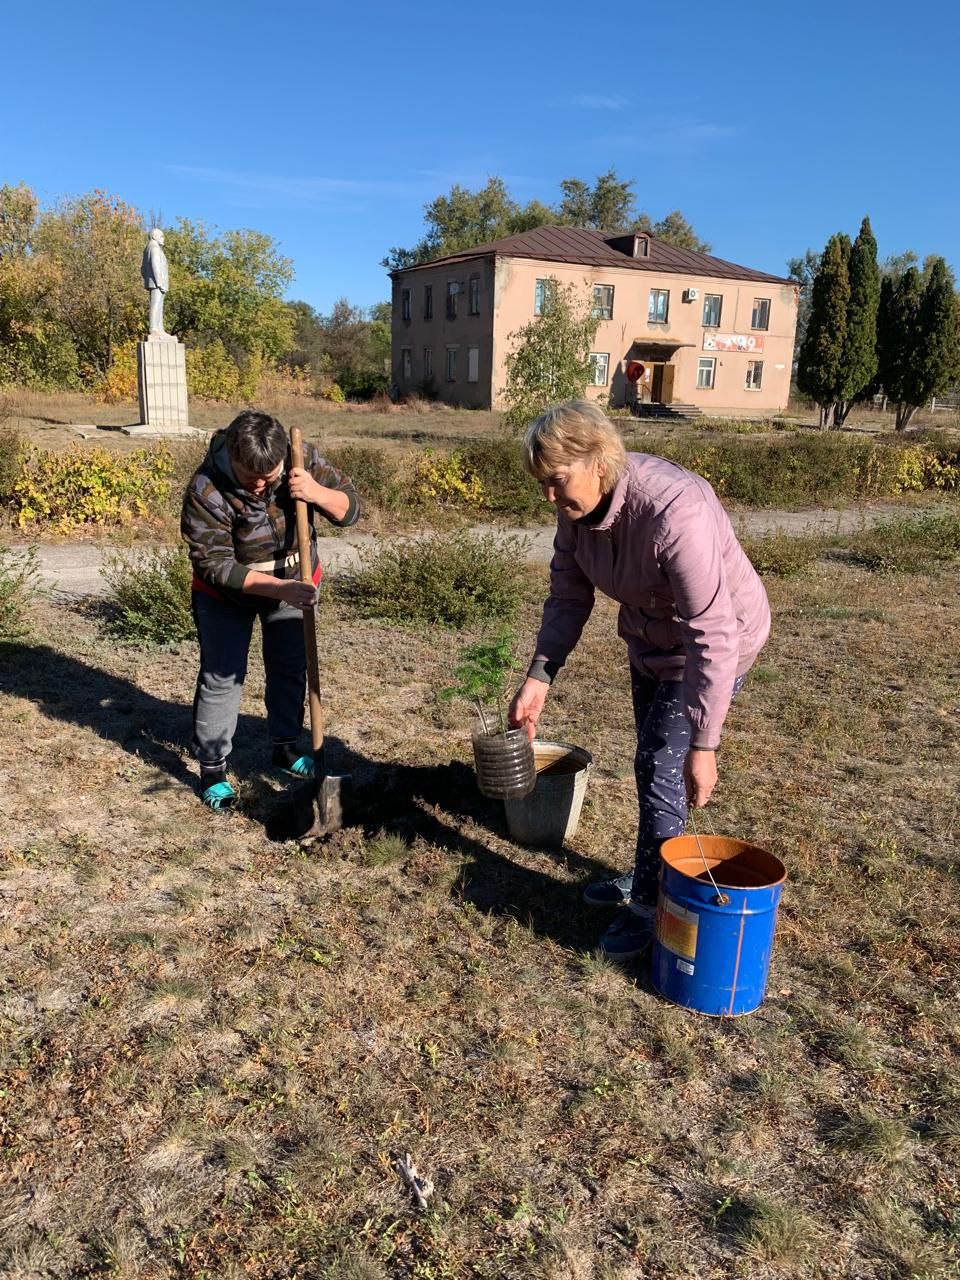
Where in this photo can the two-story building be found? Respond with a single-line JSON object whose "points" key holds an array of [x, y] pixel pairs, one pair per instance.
{"points": [[688, 328]]}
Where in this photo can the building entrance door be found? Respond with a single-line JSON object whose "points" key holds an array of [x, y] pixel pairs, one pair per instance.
{"points": [[661, 391]]}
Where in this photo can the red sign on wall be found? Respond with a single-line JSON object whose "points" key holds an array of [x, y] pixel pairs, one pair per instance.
{"points": [[732, 342]]}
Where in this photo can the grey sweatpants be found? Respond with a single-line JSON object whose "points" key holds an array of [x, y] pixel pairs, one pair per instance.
{"points": [[225, 630]]}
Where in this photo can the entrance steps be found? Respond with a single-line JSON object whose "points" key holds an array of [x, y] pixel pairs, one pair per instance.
{"points": [[663, 411]]}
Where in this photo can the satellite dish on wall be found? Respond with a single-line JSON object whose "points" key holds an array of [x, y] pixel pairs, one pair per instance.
{"points": [[635, 371]]}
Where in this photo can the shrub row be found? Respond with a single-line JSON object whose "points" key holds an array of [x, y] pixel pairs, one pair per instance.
{"points": [[483, 478], [814, 469]]}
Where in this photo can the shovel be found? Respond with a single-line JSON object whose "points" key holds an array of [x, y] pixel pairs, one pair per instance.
{"points": [[326, 794]]}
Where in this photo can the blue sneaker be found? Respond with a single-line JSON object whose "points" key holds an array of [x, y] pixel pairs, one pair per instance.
{"points": [[609, 893], [630, 934], [219, 796]]}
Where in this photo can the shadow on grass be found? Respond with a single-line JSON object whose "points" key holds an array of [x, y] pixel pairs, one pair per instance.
{"points": [[435, 803], [430, 802]]}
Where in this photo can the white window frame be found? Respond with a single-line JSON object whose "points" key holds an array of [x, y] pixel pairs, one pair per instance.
{"points": [[473, 296], [653, 306], [711, 297], [406, 364], [452, 363], [453, 290], [542, 295], [427, 362], [599, 311], [406, 303], [599, 360], [754, 378], [760, 303], [706, 365]]}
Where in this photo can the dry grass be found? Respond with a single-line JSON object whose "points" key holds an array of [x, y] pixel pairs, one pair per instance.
{"points": [[212, 1045]]}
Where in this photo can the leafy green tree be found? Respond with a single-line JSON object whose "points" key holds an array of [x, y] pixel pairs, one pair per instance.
{"points": [[803, 270], [820, 362], [673, 229], [97, 240], [858, 359], [550, 359], [919, 340], [35, 350], [464, 219], [606, 206], [229, 287], [350, 345], [18, 217]]}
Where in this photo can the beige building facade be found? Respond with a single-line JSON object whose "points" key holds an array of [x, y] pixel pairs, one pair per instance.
{"points": [[676, 328]]}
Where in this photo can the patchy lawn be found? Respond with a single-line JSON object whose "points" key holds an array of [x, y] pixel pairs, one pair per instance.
{"points": [[212, 1045]]}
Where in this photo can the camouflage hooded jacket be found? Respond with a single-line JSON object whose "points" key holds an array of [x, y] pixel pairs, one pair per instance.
{"points": [[229, 530]]}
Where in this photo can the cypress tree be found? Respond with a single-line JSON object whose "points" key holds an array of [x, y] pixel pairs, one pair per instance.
{"points": [[939, 358], [819, 366], [858, 361], [900, 344]]}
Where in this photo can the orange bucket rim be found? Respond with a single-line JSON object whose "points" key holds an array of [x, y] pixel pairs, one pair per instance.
{"points": [[692, 850]]}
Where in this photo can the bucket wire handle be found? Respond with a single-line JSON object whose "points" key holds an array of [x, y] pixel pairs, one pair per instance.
{"points": [[721, 899]]}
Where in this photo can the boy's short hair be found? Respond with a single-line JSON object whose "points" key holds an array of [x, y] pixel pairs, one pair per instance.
{"points": [[257, 441]]}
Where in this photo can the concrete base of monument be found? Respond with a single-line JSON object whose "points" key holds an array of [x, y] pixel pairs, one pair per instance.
{"points": [[162, 387], [157, 429]]}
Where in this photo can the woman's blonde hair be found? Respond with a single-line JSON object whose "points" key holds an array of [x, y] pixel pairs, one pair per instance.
{"points": [[571, 432]]}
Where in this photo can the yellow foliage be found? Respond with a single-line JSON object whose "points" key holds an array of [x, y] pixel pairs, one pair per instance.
{"points": [[211, 374], [74, 487], [276, 383], [120, 380], [447, 478]]}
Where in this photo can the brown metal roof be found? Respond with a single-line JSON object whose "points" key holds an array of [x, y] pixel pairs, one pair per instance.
{"points": [[582, 245]]}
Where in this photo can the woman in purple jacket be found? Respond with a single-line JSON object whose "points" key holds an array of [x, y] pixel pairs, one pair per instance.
{"points": [[693, 612]]}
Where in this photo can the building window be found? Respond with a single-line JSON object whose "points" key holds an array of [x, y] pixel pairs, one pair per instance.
{"points": [[754, 374], [428, 302], [659, 306], [543, 296], [761, 314], [451, 364], [706, 374], [452, 290], [406, 365], [427, 363], [602, 302], [712, 306], [473, 296], [599, 362], [404, 304], [473, 364]]}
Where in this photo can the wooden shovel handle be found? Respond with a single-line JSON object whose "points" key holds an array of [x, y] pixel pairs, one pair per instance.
{"points": [[309, 615]]}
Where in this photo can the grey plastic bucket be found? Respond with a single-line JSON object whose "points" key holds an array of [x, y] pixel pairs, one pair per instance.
{"points": [[550, 814]]}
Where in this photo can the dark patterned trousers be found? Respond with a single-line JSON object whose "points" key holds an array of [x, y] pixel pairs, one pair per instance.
{"points": [[663, 740]]}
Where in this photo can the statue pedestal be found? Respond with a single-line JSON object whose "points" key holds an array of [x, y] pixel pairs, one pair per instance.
{"points": [[162, 387]]}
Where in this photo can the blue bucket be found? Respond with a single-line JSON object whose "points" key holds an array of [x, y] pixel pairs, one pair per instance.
{"points": [[712, 950]]}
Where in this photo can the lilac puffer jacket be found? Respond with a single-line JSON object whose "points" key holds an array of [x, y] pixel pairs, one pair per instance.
{"points": [[692, 607]]}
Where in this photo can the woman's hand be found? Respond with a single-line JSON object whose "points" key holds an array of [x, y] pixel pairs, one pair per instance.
{"points": [[301, 594], [700, 776], [303, 486], [527, 705]]}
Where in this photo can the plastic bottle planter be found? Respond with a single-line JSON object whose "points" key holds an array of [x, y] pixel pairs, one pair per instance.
{"points": [[505, 764]]}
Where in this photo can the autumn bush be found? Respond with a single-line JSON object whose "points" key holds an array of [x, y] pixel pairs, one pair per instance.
{"points": [[64, 489]]}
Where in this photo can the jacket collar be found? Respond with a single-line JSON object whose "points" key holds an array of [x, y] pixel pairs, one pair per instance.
{"points": [[617, 501]]}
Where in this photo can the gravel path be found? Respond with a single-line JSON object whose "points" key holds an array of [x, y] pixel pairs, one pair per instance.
{"points": [[73, 570]]}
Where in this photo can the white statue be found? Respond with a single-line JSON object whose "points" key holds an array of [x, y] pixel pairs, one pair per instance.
{"points": [[156, 278]]}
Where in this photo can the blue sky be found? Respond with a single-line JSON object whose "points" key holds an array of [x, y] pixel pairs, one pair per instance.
{"points": [[329, 126]]}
